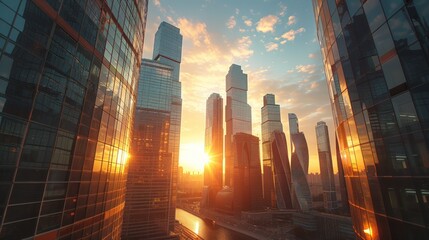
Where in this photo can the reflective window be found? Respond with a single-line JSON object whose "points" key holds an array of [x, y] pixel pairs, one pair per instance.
{"points": [[393, 72], [402, 33], [374, 14], [391, 6], [383, 40]]}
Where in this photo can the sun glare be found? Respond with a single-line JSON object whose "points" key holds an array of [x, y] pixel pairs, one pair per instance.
{"points": [[193, 157]]}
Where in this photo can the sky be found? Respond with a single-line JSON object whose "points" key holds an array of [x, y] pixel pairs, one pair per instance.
{"points": [[276, 44]]}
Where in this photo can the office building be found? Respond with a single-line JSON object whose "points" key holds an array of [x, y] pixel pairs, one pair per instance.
{"points": [[301, 195], [345, 209], [68, 77], [152, 176], [247, 183], [238, 116], [271, 121], [281, 170], [377, 69], [213, 172], [326, 169]]}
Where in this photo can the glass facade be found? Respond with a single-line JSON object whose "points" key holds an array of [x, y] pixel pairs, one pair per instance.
{"points": [[238, 115], [213, 172], [376, 58], [152, 177], [301, 195], [68, 76], [325, 163], [271, 121], [281, 170]]}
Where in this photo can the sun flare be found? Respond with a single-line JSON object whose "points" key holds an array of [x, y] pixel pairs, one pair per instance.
{"points": [[193, 157]]}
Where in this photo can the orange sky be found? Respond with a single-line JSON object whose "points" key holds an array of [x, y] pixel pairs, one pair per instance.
{"points": [[276, 48]]}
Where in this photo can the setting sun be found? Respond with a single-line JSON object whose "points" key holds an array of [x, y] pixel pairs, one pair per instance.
{"points": [[192, 157]]}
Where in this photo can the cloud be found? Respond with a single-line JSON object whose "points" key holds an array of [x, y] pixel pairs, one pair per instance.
{"points": [[243, 49], [310, 68], [248, 22], [267, 24], [241, 30], [196, 32], [157, 2], [291, 20], [311, 55], [283, 42], [231, 22], [237, 11], [290, 35], [271, 46], [282, 9]]}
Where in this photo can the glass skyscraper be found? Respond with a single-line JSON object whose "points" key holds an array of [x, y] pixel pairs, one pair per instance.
{"points": [[152, 175], [301, 195], [325, 164], [213, 172], [238, 115], [376, 58], [68, 77], [271, 121]]}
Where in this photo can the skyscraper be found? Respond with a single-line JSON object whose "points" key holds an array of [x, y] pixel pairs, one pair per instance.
{"points": [[325, 163], [342, 182], [281, 170], [247, 183], [152, 176], [271, 121], [301, 195], [213, 172], [238, 116], [377, 69], [68, 77]]}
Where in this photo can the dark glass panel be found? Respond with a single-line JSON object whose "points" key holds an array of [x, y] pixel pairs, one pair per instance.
{"points": [[52, 207], [19, 212], [402, 33], [414, 64], [393, 72], [421, 102], [391, 6], [383, 40], [374, 14], [26, 192], [50, 222], [31, 174], [18, 230]]}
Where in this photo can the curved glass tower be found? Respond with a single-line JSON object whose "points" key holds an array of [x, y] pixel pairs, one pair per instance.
{"points": [[68, 76], [301, 195], [376, 58]]}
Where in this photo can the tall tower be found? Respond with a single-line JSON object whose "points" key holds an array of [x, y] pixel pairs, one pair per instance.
{"points": [[325, 163], [301, 195], [271, 121], [238, 116], [152, 177], [213, 172], [66, 110], [377, 69]]}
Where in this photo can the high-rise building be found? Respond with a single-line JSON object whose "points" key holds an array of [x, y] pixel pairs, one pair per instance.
{"points": [[68, 77], [376, 62], [238, 116], [281, 170], [213, 172], [325, 164], [247, 183], [301, 195], [153, 166], [271, 121]]}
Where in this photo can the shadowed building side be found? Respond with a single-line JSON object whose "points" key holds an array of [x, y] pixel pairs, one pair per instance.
{"points": [[281, 170], [247, 188]]}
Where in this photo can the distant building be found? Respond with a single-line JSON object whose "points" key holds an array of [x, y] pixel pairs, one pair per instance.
{"points": [[281, 170], [247, 187], [238, 116], [301, 195], [213, 172], [153, 166], [325, 163], [271, 121]]}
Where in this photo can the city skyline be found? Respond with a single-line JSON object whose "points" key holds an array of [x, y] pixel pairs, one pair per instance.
{"points": [[292, 70]]}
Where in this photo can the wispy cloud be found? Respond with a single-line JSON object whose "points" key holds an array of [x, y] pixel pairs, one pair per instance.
{"points": [[157, 2], [231, 22], [271, 46], [290, 35], [196, 32], [291, 20], [282, 9], [310, 68], [243, 49], [248, 22], [267, 24], [311, 55]]}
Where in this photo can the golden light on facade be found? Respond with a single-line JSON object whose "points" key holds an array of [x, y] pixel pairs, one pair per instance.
{"points": [[368, 231]]}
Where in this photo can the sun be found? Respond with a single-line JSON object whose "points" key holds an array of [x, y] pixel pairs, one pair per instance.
{"points": [[193, 157]]}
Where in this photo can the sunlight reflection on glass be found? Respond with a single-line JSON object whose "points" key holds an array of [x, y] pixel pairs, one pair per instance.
{"points": [[197, 227]]}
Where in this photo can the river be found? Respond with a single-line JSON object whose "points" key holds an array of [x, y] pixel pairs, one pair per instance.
{"points": [[206, 230]]}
